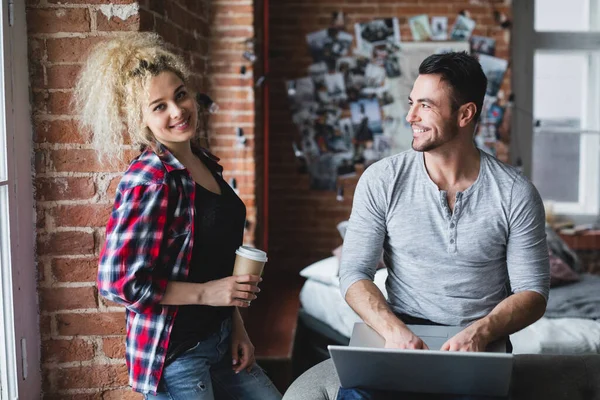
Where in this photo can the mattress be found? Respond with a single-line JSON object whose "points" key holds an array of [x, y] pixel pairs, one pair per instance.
{"points": [[546, 336]]}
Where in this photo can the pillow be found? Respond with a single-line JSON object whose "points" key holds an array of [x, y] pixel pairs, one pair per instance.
{"points": [[341, 227], [560, 272], [338, 253], [324, 271]]}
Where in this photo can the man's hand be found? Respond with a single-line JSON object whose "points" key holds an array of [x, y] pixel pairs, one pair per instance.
{"points": [[466, 340], [405, 340]]}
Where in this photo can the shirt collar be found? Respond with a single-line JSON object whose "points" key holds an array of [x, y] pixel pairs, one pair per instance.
{"points": [[171, 163]]}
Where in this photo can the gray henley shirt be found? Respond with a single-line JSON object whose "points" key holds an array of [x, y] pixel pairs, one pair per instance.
{"points": [[448, 267]]}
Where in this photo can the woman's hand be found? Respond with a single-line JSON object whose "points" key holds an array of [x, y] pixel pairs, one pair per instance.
{"points": [[236, 291], [242, 349]]}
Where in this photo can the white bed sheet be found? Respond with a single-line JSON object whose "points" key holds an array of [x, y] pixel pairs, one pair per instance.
{"points": [[547, 336]]}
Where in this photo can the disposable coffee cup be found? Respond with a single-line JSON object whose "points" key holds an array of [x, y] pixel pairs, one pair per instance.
{"points": [[249, 261]]}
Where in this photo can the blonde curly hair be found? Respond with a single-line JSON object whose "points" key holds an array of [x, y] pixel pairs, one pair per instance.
{"points": [[113, 86]]}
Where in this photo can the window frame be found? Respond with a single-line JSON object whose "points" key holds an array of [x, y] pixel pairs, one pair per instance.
{"points": [[20, 375], [523, 52]]}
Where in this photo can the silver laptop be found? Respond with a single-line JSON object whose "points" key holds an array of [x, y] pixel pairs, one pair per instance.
{"points": [[365, 363]]}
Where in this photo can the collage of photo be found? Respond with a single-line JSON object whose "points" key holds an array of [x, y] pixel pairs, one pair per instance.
{"points": [[350, 108]]}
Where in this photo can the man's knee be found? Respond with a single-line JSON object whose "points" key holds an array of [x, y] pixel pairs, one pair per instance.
{"points": [[318, 383]]}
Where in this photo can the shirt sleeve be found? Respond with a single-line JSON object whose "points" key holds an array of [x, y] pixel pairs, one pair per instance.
{"points": [[127, 272], [366, 231], [527, 250]]}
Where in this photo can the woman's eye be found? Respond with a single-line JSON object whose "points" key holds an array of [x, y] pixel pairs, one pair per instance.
{"points": [[181, 95], [159, 107]]}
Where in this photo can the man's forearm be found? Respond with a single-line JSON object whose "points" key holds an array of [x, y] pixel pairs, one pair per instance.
{"points": [[368, 302], [511, 315]]}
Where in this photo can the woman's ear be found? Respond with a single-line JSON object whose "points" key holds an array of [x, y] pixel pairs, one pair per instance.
{"points": [[466, 114]]}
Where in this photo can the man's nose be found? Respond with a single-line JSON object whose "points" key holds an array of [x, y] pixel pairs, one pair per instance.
{"points": [[411, 116]]}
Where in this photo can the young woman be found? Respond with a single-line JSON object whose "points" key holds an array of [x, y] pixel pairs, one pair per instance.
{"points": [[172, 235]]}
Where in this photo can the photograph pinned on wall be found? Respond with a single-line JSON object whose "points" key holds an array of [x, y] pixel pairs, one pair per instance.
{"points": [[374, 75], [366, 118], [328, 44], [494, 69], [462, 29], [336, 88], [300, 91], [483, 45], [392, 65], [439, 28], [317, 72], [347, 130], [419, 27], [374, 33], [345, 65], [346, 169], [323, 170]]}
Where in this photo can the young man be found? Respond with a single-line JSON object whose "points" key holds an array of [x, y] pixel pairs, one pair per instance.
{"points": [[462, 234], [455, 224]]}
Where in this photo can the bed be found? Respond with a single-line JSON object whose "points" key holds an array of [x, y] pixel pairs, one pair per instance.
{"points": [[571, 324]]}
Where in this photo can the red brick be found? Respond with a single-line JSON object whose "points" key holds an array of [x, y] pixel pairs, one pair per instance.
{"points": [[112, 187], [64, 188], [70, 49], [61, 351], [121, 394], [45, 325], [117, 24], [62, 76], [114, 347], [231, 8], [237, 20], [53, 20], [91, 324], [60, 298], [95, 376], [84, 160], [75, 269], [60, 131], [40, 220], [222, 118], [62, 243], [237, 81], [93, 215]]}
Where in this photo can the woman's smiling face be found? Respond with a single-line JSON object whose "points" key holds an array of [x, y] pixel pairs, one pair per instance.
{"points": [[171, 113]]}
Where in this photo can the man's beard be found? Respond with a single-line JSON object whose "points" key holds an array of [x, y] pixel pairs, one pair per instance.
{"points": [[452, 132]]}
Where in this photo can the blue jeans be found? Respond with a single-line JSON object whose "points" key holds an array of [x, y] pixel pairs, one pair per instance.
{"points": [[204, 372]]}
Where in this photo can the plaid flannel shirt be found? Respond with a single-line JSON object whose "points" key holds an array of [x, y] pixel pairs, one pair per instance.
{"points": [[149, 240]]}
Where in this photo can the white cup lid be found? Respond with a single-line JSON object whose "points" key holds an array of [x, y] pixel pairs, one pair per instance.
{"points": [[252, 253]]}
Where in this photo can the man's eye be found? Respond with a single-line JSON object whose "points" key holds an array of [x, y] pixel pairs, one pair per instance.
{"points": [[425, 106]]}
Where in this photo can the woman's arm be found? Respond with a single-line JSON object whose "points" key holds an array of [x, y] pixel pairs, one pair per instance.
{"points": [[222, 292]]}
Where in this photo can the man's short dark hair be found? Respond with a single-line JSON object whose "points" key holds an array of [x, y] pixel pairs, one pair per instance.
{"points": [[463, 73]]}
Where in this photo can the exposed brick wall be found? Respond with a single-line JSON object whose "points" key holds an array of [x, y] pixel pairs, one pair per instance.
{"points": [[232, 23], [302, 222], [82, 334]]}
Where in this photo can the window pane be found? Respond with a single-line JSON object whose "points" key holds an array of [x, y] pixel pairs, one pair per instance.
{"points": [[566, 16], [3, 151], [559, 109]]}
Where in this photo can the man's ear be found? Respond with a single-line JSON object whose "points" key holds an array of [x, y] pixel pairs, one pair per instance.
{"points": [[466, 114]]}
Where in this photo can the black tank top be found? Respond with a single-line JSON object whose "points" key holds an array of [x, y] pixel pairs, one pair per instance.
{"points": [[219, 230]]}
